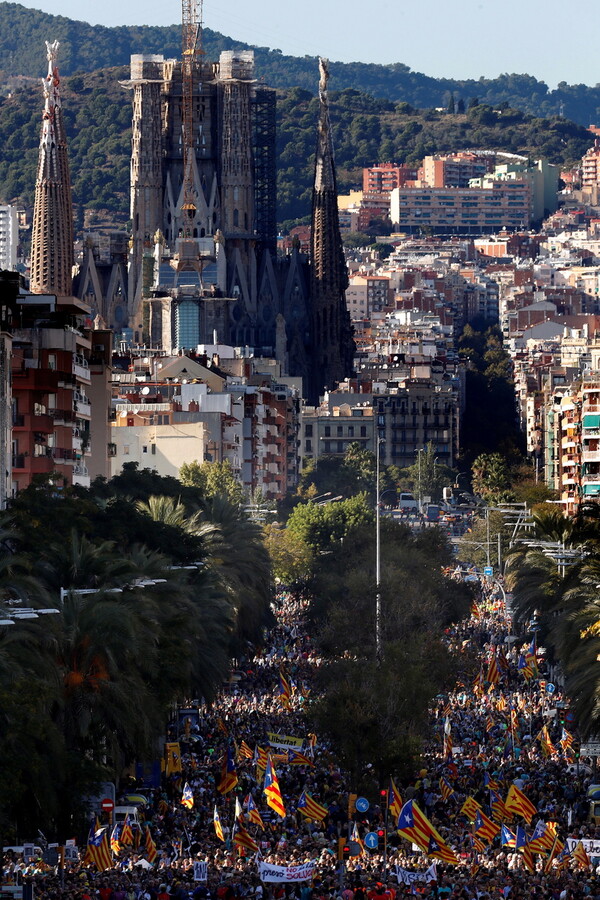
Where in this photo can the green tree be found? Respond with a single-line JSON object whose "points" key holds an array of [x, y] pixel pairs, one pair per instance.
{"points": [[212, 478]]}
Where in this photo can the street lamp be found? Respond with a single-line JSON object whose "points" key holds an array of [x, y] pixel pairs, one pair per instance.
{"points": [[378, 648]]}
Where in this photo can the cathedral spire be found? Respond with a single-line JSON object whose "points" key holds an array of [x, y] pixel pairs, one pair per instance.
{"points": [[52, 234], [333, 347]]}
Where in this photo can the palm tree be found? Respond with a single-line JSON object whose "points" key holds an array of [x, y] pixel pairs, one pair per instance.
{"points": [[240, 561]]}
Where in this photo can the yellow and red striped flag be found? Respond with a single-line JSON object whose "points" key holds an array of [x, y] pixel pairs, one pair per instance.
{"points": [[244, 751], [271, 790], [285, 690], [126, 838], [252, 812], [548, 748], [485, 829], [519, 804], [470, 808], [243, 841], [101, 855], [446, 789], [543, 837], [394, 801], [555, 851], [310, 808], [218, 826], [151, 852], [580, 856], [416, 827], [229, 777], [187, 797]]}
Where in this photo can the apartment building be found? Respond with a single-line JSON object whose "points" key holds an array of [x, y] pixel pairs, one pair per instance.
{"points": [[9, 237], [455, 169], [590, 166], [340, 420], [493, 207], [384, 177]]}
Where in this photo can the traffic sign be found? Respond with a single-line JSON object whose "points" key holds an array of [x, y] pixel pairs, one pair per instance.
{"points": [[489, 571], [107, 805], [362, 804], [371, 840], [550, 688]]}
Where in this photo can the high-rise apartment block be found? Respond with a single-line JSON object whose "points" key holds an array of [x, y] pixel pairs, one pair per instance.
{"points": [[9, 237]]}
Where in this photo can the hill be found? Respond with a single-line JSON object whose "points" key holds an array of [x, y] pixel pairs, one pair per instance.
{"points": [[86, 48], [366, 129]]}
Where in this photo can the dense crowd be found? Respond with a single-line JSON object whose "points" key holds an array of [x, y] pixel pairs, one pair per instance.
{"points": [[499, 727]]}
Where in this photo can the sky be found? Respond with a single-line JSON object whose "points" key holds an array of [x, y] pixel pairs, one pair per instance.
{"points": [[459, 39]]}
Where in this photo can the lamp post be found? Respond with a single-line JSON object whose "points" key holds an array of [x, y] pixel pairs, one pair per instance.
{"points": [[378, 649]]}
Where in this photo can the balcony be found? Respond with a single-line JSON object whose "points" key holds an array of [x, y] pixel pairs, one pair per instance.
{"points": [[591, 479], [590, 455], [82, 406], [81, 369], [81, 475]]}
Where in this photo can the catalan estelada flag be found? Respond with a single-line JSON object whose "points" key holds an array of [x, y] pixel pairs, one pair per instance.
{"points": [[126, 838], [501, 703], [218, 826], [543, 837], [285, 690], [102, 857], [508, 837], [88, 856], [566, 740], [115, 845], [243, 841], [519, 804], [498, 807], [229, 777], [295, 758], [394, 801], [252, 812], [416, 827], [271, 790], [485, 829], [187, 797], [310, 808], [150, 846]]}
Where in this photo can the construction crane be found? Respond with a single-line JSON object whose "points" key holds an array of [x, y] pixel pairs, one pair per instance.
{"points": [[191, 39]]}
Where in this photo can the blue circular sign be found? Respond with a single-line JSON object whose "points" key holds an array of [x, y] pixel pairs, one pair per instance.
{"points": [[362, 805], [550, 688], [371, 840]]}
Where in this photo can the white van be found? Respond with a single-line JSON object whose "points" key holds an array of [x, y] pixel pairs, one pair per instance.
{"points": [[120, 812], [407, 503]]}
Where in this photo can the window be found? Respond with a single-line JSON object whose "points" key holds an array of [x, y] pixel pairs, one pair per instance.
{"points": [[308, 430], [340, 446], [350, 430], [327, 447], [363, 430], [340, 430], [308, 446], [125, 449], [327, 431], [144, 448]]}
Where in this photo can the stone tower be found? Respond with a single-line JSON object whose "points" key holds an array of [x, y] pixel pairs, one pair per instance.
{"points": [[52, 234], [332, 344]]}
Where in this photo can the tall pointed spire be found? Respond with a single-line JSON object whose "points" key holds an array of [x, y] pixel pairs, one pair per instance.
{"points": [[52, 234], [333, 347]]}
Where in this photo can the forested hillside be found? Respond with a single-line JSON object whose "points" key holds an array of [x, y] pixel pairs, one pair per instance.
{"points": [[86, 48], [97, 112]]}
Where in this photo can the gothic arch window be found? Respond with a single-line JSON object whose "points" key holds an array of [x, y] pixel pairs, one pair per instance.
{"points": [[236, 217]]}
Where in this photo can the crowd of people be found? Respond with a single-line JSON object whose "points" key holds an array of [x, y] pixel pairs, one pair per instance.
{"points": [[500, 729]]}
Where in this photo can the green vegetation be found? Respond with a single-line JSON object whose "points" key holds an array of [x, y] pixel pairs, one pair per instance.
{"points": [[377, 712], [97, 112], [560, 597], [85, 692], [490, 423], [86, 48]]}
